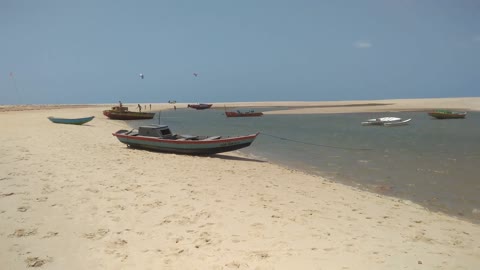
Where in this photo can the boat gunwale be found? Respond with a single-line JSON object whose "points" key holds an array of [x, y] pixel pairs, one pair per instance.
{"points": [[129, 115], [215, 141], [72, 119]]}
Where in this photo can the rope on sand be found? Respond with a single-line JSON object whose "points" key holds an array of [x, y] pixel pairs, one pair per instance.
{"points": [[316, 144]]}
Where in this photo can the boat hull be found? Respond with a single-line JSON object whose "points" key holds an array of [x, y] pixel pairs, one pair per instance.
{"points": [[71, 121], [199, 106], [398, 123], [386, 121], [237, 114], [191, 147], [127, 115], [372, 123], [447, 115]]}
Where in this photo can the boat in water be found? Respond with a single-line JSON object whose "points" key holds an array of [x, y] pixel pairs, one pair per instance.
{"points": [[386, 121], [397, 123], [446, 114], [122, 113], [71, 121], [160, 138], [200, 106], [243, 114]]}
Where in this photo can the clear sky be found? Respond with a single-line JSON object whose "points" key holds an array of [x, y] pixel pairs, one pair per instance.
{"points": [[92, 51]]}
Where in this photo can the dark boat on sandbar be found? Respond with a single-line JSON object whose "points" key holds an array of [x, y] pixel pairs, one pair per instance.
{"points": [[201, 106], [122, 113], [446, 114], [160, 138], [243, 114]]}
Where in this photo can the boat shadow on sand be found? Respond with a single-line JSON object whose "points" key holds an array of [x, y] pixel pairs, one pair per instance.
{"points": [[219, 156]]}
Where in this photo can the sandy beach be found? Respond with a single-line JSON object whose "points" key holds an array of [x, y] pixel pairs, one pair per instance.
{"points": [[73, 197]]}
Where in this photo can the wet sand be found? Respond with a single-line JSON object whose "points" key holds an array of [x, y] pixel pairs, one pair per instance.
{"points": [[73, 197]]}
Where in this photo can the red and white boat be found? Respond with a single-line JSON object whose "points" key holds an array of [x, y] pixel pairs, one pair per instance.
{"points": [[160, 138]]}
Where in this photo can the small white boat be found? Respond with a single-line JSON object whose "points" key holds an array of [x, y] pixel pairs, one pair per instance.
{"points": [[386, 121], [380, 121], [397, 123]]}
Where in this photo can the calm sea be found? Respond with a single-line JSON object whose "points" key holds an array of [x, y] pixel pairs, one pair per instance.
{"points": [[433, 162]]}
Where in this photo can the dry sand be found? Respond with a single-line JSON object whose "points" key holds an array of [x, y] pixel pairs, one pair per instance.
{"points": [[73, 197]]}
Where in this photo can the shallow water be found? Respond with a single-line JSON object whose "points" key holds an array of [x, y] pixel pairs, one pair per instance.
{"points": [[433, 162]]}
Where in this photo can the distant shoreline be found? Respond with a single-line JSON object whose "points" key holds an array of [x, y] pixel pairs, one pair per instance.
{"points": [[298, 107]]}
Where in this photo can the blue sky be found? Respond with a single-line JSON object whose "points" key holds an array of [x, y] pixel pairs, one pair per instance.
{"points": [[93, 51]]}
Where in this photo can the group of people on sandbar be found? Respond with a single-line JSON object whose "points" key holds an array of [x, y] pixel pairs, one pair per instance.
{"points": [[138, 106]]}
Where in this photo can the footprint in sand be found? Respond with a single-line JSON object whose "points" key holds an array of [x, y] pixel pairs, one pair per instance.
{"points": [[235, 241], [113, 248], [23, 233], [47, 189], [177, 219], [36, 261], [258, 225], [122, 257], [236, 265], [207, 239], [99, 234], [50, 234], [421, 236], [119, 243], [260, 254], [6, 194], [92, 190], [153, 205], [41, 199], [22, 208], [257, 229]]}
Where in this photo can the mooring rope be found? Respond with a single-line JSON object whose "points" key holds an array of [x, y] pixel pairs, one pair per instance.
{"points": [[105, 121], [316, 144]]}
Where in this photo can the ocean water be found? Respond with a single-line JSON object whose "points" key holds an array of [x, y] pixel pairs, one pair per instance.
{"points": [[435, 163]]}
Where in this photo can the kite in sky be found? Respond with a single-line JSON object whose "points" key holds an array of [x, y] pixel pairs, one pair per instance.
{"points": [[141, 76], [195, 74]]}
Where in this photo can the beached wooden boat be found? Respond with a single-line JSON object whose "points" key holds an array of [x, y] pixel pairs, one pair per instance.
{"points": [[243, 114], [380, 121], [160, 138], [446, 114], [122, 113], [71, 121], [201, 106]]}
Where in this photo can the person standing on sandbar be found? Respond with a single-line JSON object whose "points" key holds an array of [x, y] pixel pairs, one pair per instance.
{"points": [[139, 108]]}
